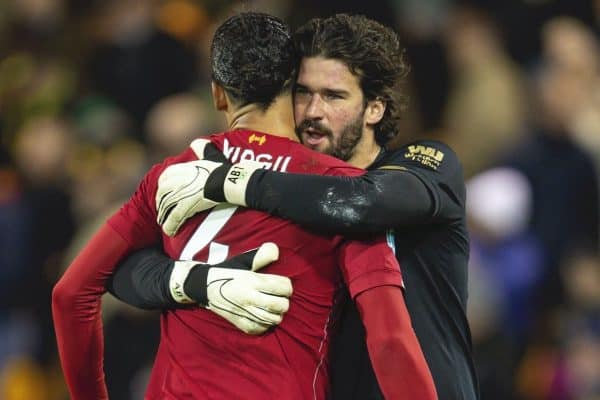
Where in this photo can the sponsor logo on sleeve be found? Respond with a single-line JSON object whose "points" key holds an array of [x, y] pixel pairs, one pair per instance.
{"points": [[428, 156]]}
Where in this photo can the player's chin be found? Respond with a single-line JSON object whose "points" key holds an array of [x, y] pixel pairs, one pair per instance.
{"points": [[322, 146]]}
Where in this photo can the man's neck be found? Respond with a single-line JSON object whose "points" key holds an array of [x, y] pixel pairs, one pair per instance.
{"points": [[366, 151], [277, 120]]}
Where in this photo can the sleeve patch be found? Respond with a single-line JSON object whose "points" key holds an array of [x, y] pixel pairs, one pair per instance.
{"points": [[428, 156]]}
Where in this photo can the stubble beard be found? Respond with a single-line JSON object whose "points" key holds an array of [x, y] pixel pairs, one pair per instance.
{"points": [[345, 145]]}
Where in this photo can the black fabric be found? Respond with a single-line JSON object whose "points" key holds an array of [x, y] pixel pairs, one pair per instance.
{"points": [[418, 191], [367, 204], [213, 190], [212, 153], [195, 284], [142, 280]]}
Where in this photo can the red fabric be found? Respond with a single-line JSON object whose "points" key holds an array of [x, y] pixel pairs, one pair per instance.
{"points": [[289, 362], [395, 353], [76, 313], [202, 355]]}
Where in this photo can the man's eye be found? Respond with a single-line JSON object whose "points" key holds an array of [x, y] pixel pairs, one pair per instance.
{"points": [[333, 96]]}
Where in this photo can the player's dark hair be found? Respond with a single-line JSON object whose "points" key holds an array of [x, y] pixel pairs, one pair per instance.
{"points": [[253, 58], [371, 51]]}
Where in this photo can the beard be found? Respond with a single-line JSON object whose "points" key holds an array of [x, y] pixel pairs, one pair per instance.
{"points": [[344, 145]]}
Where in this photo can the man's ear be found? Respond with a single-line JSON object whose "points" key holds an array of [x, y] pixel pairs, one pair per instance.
{"points": [[374, 111], [220, 100]]}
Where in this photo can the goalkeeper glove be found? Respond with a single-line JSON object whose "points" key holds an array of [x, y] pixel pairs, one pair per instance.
{"points": [[251, 301], [186, 189]]}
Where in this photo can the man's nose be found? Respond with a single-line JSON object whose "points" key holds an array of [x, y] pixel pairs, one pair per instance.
{"points": [[314, 109]]}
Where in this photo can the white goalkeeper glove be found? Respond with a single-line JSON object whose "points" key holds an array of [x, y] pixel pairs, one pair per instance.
{"points": [[180, 193], [182, 187], [251, 301]]}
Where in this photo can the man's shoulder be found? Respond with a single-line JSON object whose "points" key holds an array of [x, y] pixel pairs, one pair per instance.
{"points": [[437, 166], [431, 154]]}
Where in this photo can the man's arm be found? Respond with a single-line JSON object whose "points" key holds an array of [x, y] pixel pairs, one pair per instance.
{"points": [[252, 302], [398, 362], [373, 202], [76, 313], [142, 280], [418, 184]]}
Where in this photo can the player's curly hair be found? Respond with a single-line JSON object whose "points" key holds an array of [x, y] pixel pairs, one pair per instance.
{"points": [[253, 58], [371, 51]]}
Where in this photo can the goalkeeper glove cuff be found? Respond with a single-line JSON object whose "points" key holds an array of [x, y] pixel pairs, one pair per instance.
{"points": [[228, 183]]}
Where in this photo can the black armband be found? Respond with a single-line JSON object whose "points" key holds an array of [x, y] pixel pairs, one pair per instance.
{"points": [[142, 280]]}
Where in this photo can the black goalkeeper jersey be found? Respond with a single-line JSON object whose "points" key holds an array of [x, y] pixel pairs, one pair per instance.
{"points": [[433, 254]]}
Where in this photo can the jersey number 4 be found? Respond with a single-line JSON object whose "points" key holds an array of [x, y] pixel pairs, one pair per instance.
{"points": [[206, 232]]}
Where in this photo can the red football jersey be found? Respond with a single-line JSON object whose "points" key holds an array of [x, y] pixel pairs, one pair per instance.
{"points": [[203, 356]]}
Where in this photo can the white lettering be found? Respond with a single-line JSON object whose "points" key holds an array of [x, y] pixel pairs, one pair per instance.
{"points": [[238, 154], [227, 150], [285, 164]]}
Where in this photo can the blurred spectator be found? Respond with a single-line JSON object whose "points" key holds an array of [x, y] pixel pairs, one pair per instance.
{"points": [[185, 20], [562, 175], [421, 25], [136, 64], [41, 154], [564, 363], [100, 122], [505, 266], [175, 121], [499, 210], [580, 334], [485, 113]]}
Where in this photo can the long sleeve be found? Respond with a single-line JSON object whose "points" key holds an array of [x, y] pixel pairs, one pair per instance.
{"points": [[395, 353], [76, 301], [373, 202], [418, 184], [142, 280]]}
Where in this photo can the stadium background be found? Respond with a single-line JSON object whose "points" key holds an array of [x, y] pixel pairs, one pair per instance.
{"points": [[93, 92]]}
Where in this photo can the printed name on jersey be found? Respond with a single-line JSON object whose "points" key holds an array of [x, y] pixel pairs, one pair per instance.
{"points": [[428, 156], [236, 154]]}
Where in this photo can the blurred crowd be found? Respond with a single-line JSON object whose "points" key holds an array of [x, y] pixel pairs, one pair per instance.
{"points": [[94, 92]]}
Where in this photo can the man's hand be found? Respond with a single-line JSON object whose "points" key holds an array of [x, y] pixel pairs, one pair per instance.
{"points": [[189, 188], [180, 193], [251, 301]]}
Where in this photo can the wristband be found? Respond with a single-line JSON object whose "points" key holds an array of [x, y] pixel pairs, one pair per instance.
{"points": [[181, 270], [236, 181]]}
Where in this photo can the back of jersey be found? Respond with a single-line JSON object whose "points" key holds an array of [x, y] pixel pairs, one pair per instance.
{"points": [[208, 357]]}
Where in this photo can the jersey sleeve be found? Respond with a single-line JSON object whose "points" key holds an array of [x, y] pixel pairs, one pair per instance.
{"points": [[438, 168], [367, 264], [412, 187], [76, 300], [395, 352]]}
